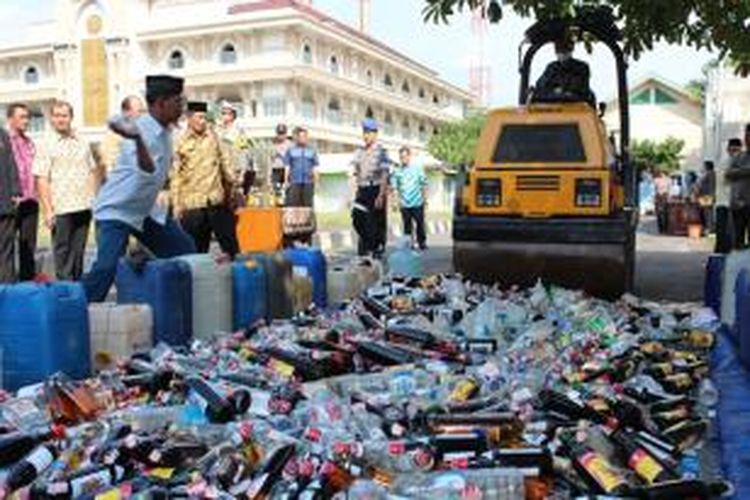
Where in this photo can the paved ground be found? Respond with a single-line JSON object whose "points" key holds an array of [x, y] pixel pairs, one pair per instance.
{"points": [[668, 267]]}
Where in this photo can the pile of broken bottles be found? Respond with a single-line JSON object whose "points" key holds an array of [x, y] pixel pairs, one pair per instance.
{"points": [[423, 388]]}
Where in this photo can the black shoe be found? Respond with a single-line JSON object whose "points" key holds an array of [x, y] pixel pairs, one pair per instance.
{"points": [[423, 246]]}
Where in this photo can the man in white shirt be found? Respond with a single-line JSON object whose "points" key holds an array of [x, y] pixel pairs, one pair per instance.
{"points": [[132, 202]]}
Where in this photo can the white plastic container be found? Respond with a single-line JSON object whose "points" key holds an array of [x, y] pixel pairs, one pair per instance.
{"points": [[369, 271], [212, 295], [118, 331], [733, 266], [342, 283]]}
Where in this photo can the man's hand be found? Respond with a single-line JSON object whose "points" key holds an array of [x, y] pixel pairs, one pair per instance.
{"points": [[177, 213], [162, 199], [49, 220], [380, 201], [16, 200], [124, 128]]}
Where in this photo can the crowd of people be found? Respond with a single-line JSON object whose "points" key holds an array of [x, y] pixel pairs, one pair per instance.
{"points": [[171, 180], [719, 197]]}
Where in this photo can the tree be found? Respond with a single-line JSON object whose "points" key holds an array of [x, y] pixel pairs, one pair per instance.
{"points": [[722, 25], [697, 89], [664, 155], [455, 143]]}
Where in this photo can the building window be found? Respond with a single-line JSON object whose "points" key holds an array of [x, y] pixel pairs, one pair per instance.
{"points": [[369, 113], [435, 99], [421, 94], [405, 88], [307, 55], [369, 77], [228, 54], [307, 106], [333, 65], [334, 111], [643, 97], [37, 121], [31, 75], [661, 97], [406, 129], [388, 81], [388, 124], [274, 106], [422, 133], [176, 60]]}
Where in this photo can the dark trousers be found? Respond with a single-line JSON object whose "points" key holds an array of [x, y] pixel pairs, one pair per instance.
{"points": [[662, 216], [724, 237], [414, 216], [741, 223], [201, 223], [367, 222], [707, 219], [69, 238], [7, 257], [300, 195], [27, 226], [164, 241]]}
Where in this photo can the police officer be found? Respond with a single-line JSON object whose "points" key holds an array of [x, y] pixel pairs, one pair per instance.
{"points": [[370, 177]]}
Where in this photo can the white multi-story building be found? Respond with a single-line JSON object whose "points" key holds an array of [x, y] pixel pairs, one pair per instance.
{"points": [[727, 110], [280, 61]]}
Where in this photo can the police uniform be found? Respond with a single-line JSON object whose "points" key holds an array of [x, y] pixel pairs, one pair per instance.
{"points": [[370, 169]]}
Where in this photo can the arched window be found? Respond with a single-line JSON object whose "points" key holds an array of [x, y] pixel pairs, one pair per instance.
{"points": [[405, 88], [333, 65], [228, 54], [368, 76], [31, 75], [369, 113], [406, 129], [334, 111], [308, 105], [421, 94], [422, 133], [307, 55], [388, 124], [435, 99], [388, 81], [176, 60]]}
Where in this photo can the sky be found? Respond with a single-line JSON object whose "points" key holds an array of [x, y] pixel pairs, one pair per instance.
{"points": [[448, 49]]}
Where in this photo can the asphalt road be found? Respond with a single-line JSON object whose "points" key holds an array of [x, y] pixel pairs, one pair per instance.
{"points": [[667, 267]]}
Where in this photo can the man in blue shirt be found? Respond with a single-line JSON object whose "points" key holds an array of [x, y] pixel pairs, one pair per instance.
{"points": [[301, 173], [131, 202], [410, 183]]}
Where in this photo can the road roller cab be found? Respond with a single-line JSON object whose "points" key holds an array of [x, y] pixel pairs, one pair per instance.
{"points": [[541, 161], [550, 196]]}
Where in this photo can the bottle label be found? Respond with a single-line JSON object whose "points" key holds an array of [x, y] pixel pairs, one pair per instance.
{"points": [[464, 390], [646, 467], [600, 471], [89, 483], [40, 459]]}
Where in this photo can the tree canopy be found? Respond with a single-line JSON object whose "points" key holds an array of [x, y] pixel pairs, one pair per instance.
{"points": [[455, 143], [721, 25], [664, 155]]}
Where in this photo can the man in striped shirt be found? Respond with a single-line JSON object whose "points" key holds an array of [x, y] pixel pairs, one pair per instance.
{"points": [[410, 182]]}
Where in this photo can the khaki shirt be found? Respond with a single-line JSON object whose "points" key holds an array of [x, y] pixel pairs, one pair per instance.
{"points": [[67, 162], [237, 146], [202, 173]]}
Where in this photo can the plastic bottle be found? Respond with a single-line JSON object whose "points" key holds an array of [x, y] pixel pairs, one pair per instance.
{"points": [[404, 261], [83, 482], [708, 394], [216, 408]]}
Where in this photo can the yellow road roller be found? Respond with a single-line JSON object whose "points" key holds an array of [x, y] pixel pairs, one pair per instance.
{"points": [[551, 194]]}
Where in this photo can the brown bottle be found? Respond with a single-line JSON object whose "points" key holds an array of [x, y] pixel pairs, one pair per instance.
{"points": [[594, 468], [645, 465]]}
